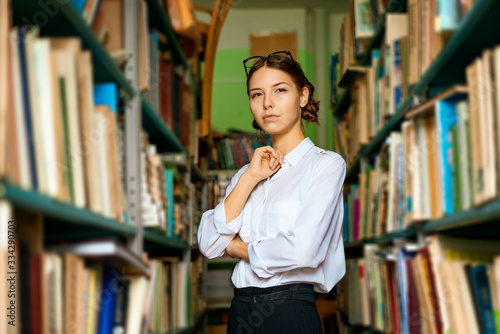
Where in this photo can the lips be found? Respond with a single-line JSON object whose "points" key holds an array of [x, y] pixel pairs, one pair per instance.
{"points": [[269, 118]]}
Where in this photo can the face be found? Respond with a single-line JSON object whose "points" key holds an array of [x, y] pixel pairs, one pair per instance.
{"points": [[275, 102]]}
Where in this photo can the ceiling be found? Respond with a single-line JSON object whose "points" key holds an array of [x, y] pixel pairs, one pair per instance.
{"points": [[331, 6]]}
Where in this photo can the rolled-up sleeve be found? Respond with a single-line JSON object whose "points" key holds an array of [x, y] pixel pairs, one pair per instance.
{"points": [[214, 233], [317, 229]]}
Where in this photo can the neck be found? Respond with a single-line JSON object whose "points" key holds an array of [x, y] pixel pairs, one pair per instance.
{"points": [[287, 142]]}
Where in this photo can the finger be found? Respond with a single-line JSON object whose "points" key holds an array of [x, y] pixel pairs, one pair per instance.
{"points": [[275, 162], [271, 151], [281, 157]]}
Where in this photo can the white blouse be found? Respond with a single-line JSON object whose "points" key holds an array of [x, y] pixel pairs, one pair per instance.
{"points": [[292, 221]]}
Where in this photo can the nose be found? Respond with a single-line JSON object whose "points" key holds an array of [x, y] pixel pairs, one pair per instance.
{"points": [[268, 101]]}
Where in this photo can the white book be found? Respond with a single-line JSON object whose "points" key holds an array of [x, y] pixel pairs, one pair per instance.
{"points": [[424, 181], [89, 146], [36, 122], [397, 27], [137, 293], [46, 120], [489, 131], [464, 148], [67, 49], [99, 121], [465, 297], [395, 140], [21, 131]]}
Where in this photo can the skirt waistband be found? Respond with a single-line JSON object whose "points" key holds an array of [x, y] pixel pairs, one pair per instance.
{"points": [[299, 291]]}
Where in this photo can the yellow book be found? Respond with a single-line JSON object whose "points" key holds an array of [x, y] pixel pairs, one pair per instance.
{"points": [[91, 301]]}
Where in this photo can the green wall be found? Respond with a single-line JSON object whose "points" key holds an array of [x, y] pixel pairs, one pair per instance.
{"points": [[230, 109]]}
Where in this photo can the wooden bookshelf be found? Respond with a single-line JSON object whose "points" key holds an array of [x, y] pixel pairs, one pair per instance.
{"points": [[160, 21], [460, 50], [159, 133], [67, 223], [444, 79], [68, 22], [342, 104], [348, 77]]}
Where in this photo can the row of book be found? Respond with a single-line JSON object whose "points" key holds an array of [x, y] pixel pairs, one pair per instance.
{"points": [[166, 87], [444, 160], [87, 286], [234, 150], [358, 28], [217, 183], [447, 285], [429, 26], [61, 130], [64, 136], [165, 193], [411, 41]]}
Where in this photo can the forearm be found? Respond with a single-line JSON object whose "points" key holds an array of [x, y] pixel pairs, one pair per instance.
{"points": [[238, 250], [236, 200]]}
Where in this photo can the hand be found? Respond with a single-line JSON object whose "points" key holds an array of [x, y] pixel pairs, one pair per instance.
{"points": [[237, 248], [265, 162]]}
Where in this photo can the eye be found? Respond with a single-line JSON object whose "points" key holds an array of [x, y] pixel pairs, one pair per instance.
{"points": [[281, 90], [255, 95]]}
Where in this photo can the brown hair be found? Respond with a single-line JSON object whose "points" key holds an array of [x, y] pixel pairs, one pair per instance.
{"points": [[286, 64]]}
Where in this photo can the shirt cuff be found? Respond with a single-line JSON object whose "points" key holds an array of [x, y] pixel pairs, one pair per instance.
{"points": [[256, 261], [222, 227]]}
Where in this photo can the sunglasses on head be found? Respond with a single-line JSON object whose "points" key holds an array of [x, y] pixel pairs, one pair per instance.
{"points": [[278, 55]]}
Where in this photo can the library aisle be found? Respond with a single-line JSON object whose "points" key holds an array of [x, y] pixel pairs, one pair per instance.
{"points": [[123, 121]]}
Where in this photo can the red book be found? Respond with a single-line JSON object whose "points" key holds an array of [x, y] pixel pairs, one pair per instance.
{"points": [[166, 77], [414, 306], [35, 295], [430, 278], [396, 326]]}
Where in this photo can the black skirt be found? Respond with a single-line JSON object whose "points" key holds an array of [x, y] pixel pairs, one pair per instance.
{"points": [[287, 309]]}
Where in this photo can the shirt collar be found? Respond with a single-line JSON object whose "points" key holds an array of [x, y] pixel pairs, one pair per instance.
{"points": [[294, 156]]}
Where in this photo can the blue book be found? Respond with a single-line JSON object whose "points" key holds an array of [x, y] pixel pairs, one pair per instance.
{"points": [[404, 291], [375, 57], [27, 106], [109, 295], [481, 293], [449, 14], [169, 185], [106, 94], [398, 75], [156, 67], [79, 5], [446, 116]]}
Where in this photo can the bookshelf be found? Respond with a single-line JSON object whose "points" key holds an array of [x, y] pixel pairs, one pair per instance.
{"points": [[460, 50], [68, 22], [131, 242], [427, 247], [444, 77]]}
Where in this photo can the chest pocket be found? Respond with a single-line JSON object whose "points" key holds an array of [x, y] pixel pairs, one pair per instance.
{"points": [[282, 216]]}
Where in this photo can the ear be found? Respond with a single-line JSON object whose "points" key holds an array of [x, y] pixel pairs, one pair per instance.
{"points": [[304, 97]]}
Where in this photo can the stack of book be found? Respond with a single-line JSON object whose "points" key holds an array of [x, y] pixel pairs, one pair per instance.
{"points": [[91, 285], [444, 160], [410, 43], [235, 150], [62, 129], [448, 284]]}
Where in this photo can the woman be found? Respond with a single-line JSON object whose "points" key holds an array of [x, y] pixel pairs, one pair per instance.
{"points": [[282, 214]]}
